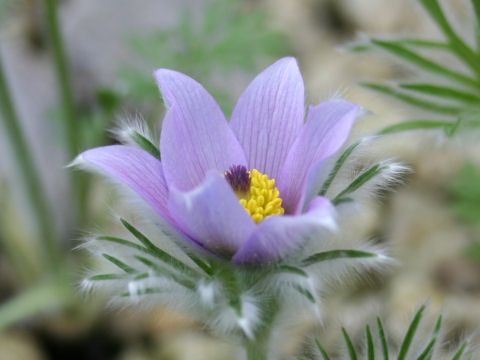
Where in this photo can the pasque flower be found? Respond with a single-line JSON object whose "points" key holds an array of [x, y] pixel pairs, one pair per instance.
{"points": [[242, 190]]}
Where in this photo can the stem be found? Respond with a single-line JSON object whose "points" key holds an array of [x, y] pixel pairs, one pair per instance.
{"points": [[79, 183], [29, 173], [259, 347], [63, 77]]}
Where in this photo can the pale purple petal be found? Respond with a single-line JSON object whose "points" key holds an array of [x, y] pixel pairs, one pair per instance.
{"points": [[269, 116], [328, 127], [195, 135], [212, 215], [277, 236], [133, 167]]}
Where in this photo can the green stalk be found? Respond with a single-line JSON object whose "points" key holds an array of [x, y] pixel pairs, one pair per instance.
{"points": [[29, 174], [79, 183], [258, 348], [63, 77]]}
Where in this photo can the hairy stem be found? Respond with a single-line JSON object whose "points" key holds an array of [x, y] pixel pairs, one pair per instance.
{"points": [[258, 348]]}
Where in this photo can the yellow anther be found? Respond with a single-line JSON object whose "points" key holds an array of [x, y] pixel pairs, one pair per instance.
{"points": [[263, 199]]}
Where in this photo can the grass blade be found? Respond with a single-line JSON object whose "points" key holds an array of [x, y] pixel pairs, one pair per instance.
{"points": [[459, 353], [338, 164], [157, 252], [370, 346], [360, 180], [160, 270], [305, 292], [291, 270], [412, 100], [407, 341], [428, 44], [417, 125], [443, 91], [120, 264], [428, 351], [101, 277], [322, 350], [122, 242], [336, 254], [351, 350], [383, 338], [411, 57], [459, 47]]}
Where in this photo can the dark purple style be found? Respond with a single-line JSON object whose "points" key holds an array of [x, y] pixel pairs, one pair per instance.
{"points": [[267, 132], [238, 178]]}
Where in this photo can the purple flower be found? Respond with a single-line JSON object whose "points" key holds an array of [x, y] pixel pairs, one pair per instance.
{"points": [[240, 190]]}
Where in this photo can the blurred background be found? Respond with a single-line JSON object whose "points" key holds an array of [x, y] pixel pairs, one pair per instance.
{"points": [[71, 69]]}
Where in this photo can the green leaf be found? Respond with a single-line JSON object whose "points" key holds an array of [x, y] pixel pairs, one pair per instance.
{"points": [[402, 52], [101, 277], [476, 9], [428, 44], [417, 125], [120, 264], [413, 100], [459, 47], [383, 338], [338, 164], [322, 350], [145, 144], [291, 269], [351, 350], [460, 351], [407, 341], [443, 91], [157, 252], [336, 254], [304, 292], [427, 353], [422, 43], [122, 242], [201, 264], [370, 346], [165, 272], [360, 180]]}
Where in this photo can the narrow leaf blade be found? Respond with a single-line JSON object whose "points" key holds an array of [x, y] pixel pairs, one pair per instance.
{"points": [[336, 254], [412, 329], [351, 350]]}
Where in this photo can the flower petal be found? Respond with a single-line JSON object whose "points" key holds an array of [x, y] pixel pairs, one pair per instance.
{"points": [[277, 236], [269, 116], [133, 167], [195, 135], [328, 127], [212, 215]]}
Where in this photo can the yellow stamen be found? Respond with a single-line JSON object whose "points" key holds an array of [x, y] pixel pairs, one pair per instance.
{"points": [[263, 199]]}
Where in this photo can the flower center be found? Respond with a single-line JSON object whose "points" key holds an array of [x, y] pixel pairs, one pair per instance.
{"points": [[256, 192]]}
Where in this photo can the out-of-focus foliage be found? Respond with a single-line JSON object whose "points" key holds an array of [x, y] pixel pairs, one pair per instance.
{"points": [[230, 38], [454, 95], [465, 202], [465, 191], [415, 345], [6, 7]]}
